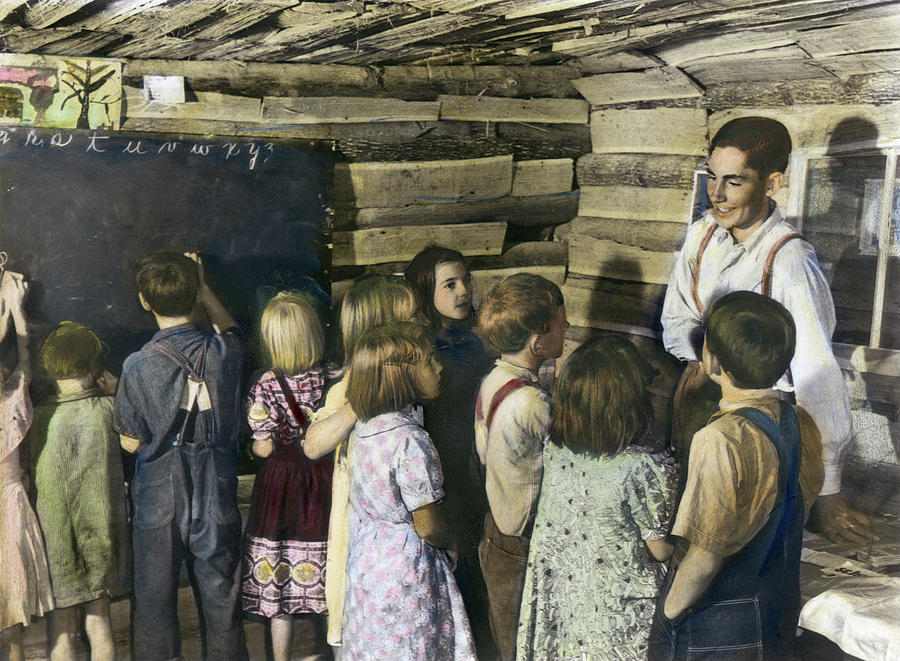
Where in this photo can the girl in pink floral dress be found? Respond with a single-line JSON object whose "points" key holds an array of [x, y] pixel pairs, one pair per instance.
{"points": [[402, 602], [24, 576]]}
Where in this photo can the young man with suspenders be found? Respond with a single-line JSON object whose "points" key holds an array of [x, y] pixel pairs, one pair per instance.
{"points": [[743, 243]]}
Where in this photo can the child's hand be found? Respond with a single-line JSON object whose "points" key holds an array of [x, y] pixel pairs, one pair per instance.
{"points": [[107, 383], [263, 448], [13, 290], [194, 256], [129, 444]]}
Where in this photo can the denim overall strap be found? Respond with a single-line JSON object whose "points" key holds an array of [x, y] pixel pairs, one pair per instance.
{"points": [[194, 374], [750, 610]]}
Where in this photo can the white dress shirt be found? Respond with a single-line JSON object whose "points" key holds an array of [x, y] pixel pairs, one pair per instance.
{"points": [[797, 283]]}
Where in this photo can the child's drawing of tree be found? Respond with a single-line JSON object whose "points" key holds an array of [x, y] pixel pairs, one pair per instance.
{"points": [[84, 81]]}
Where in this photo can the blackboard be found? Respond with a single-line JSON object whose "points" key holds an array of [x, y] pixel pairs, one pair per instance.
{"points": [[79, 208]]}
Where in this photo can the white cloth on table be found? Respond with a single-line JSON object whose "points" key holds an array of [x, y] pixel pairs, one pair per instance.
{"points": [[860, 617]]}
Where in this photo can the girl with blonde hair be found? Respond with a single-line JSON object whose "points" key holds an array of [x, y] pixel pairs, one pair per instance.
{"points": [[287, 531], [370, 303]]}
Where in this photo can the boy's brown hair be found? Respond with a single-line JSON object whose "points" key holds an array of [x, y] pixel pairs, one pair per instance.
{"points": [[382, 376], [71, 350], [169, 282], [766, 142], [753, 338], [516, 308], [601, 404]]}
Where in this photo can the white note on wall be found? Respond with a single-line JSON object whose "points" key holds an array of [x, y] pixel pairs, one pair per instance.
{"points": [[164, 89]]}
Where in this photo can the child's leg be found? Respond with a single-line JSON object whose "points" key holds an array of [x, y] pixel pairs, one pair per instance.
{"points": [[63, 623], [12, 642], [99, 630], [281, 626]]}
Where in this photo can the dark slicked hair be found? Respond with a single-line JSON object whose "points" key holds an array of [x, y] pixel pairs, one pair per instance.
{"points": [[169, 282], [420, 274], [766, 142], [601, 404], [753, 338]]}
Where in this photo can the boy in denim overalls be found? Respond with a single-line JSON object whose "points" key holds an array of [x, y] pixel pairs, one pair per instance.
{"points": [[177, 406], [753, 473]]}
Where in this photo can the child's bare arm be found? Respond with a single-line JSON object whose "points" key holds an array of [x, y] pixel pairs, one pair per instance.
{"points": [[324, 435], [220, 317], [431, 527], [692, 578], [14, 300]]}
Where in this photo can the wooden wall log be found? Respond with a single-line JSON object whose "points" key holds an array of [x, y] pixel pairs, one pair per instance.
{"points": [[209, 106], [635, 203], [595, 302], [787, 63], [609, 259], [427, 182], [259, 79], [864, 359], [875, 89], [523, 211], [346, 110], [651, 170], [660, 83], [660, 131], [716, 46], [542, 177], [418, 82], [852, 37], [496, 109], [401, 244], [655, 236]]}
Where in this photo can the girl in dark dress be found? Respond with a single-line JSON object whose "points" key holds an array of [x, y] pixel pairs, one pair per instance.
{"points": [[443, 285]]}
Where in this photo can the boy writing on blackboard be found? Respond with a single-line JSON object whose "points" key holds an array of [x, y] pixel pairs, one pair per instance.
{"points": [[743, 243], [177, 407]]}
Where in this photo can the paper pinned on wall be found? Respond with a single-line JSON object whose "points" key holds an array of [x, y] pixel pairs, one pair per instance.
{"points": [[164, 89]]}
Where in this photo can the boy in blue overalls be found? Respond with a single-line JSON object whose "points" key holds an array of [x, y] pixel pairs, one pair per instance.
{"points": [[753, 473], [178, 407]]}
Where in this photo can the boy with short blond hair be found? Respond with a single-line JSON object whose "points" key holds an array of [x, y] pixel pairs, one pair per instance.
{"points": [[178, 406], [524, 316]]}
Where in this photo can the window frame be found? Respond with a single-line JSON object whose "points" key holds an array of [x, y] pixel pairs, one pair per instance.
{"points": [[797, 178]]}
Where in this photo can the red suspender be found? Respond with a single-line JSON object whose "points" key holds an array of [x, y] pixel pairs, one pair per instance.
{"points": [[767, 271], [695, 275], [291, 401], [499, 396]]}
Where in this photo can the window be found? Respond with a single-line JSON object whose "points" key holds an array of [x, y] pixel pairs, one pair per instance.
{"points": [[847, 202]]}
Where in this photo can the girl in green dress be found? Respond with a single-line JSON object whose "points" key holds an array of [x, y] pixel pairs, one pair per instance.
{"points": [[603, 513]]}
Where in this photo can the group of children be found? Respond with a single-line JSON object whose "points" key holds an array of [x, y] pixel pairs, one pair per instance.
{"points": [[430, 495]]}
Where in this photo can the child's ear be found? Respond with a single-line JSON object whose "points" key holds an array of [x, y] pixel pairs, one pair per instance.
{"points": [[536, 344], [144, 303], [774, 182]]}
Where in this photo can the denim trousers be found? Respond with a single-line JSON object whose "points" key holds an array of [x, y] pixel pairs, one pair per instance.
{"points": [[504, 559], [186, 513]]}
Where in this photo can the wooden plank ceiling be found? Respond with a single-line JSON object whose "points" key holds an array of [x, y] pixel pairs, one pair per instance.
{"points": [[711, 41]]}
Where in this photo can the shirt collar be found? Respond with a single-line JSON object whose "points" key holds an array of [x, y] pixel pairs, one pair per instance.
{"points": [[175, 330], [515, 371], [756, 237], [72, 396], [384, 422]]}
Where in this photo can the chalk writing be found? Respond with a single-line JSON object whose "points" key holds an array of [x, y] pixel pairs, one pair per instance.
{"points": [[134, 148], [57, 140], [92, 145], [254, 154]]}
